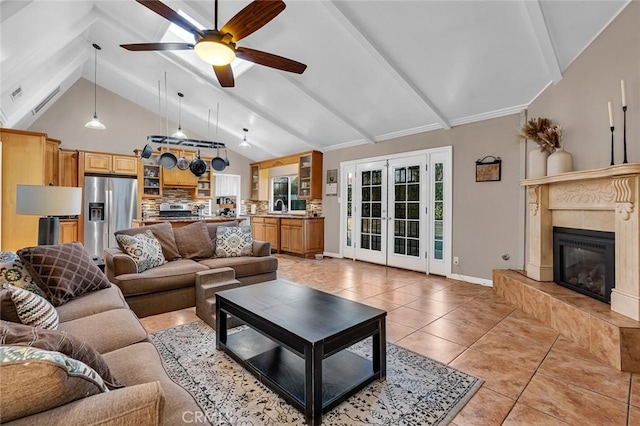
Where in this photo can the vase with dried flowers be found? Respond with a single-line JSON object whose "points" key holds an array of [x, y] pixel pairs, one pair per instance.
{"points": [[548, 136]]}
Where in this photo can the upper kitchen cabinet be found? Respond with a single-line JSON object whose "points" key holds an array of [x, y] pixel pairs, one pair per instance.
{"points": [[51, 161], [150, 178], [204, 190], [20, 148], [67, 167], [102, 162], [177, 177], [310, 175], [254, 190]]}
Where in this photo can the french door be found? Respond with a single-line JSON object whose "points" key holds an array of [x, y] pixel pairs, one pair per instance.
{"points": [[396, 211]]}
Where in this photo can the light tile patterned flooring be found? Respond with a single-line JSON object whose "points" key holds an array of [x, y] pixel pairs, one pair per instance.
{"points": [[532, 375]]}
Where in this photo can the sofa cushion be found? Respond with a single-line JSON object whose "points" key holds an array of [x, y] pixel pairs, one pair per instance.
{"points": [[36, 380], [29, 308], [141, 363], [170, 276], [163, 232], [244, 266], [144, 248], [108, 330], [212, 227], [14, 272], [194, 242], [92, 303], [63, 271], [57, 341], [234, 241]]}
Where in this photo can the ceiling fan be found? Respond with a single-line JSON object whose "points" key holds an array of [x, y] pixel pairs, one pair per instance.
{"points": [[218, 46]]}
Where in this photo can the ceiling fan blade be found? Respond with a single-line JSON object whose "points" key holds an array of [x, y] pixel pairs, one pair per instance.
{"points": [[252, 18], [225, 75], [169, 14], [142, 47], [270, 60]]}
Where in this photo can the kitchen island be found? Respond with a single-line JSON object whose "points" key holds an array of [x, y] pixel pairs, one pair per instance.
{"points": [[290, 233], [177, 222]]}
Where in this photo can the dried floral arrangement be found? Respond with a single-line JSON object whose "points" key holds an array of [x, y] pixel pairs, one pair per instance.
{"points": [[546, 134]]}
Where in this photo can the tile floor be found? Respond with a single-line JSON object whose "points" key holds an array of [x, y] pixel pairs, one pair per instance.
{"points": [[532, 375]]}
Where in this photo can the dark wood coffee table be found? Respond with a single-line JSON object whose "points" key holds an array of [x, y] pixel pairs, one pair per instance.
{"points": [[296, 339]]}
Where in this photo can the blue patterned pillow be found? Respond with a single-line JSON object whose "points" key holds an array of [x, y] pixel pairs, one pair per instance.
{"points": [[234, 241], [144, 248], [13, 271]]}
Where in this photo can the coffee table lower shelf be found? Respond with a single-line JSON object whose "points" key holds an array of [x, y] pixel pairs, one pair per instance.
{"points": [[343, 373]]}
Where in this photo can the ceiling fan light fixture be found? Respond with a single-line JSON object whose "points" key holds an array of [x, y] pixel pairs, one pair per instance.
{"points": [[215, 53]]}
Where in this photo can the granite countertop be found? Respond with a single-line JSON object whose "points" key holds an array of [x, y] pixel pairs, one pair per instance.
{"points": [[287, 216], [185, 219]]}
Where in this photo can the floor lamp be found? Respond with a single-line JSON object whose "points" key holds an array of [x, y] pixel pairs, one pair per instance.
{"points": [[48, 202]]}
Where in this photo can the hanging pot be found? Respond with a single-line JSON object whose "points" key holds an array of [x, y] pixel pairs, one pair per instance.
{"points": [[167, 160], [218, 164], [198, 166], [146, 151], [226, 158], [183, 163]]}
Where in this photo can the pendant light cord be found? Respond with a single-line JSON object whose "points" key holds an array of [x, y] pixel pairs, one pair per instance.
{"points": [[95, 79]]}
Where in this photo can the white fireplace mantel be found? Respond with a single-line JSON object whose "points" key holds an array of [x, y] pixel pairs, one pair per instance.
{"points": [[601, 200]]}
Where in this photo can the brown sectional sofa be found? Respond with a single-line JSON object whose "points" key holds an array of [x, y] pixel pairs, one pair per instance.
{"points": [[171, 286], [103, 320]]}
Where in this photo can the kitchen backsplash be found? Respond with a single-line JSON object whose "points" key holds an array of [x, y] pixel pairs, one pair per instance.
{"points": [[169, 195], [262, 207]]}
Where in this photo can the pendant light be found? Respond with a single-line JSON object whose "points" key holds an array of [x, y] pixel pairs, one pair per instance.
{"points": [[244, 143], [179, 133], [95, 123]]}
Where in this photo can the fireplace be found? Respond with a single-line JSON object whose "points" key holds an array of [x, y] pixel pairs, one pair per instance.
{"points": [[584, 261]]}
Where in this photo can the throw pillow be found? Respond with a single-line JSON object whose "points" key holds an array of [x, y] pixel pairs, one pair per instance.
{"points": [[29, 308], [234, 241], [63, 271], [36, 380], [144, 248], [13, 271], [194, 242], [57, 341], [163, 232]]}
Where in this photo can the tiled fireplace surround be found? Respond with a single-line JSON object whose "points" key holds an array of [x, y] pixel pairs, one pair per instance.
{"points": [[601, 200]]}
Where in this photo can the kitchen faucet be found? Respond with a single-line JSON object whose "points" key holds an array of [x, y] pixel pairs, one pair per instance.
{"points": [[283, 208]]}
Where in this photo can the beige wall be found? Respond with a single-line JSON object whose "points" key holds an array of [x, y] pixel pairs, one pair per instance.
{"points": [[128, 125]]}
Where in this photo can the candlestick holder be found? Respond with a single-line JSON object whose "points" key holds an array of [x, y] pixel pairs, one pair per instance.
{"points": [[624, 133], [612, 128]]}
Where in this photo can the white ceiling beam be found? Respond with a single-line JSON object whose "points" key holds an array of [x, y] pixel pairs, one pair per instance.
{"points": [[331, 110], [403, 80], [541, 31]]}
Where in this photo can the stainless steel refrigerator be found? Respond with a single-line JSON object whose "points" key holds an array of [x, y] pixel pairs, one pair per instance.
{"points": [[110, 204]]}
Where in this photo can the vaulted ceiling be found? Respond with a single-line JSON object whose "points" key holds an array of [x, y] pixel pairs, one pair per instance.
{"points": [[376, 69]]}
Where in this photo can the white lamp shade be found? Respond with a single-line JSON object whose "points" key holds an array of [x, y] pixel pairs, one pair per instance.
{"points": [[48, 200]]}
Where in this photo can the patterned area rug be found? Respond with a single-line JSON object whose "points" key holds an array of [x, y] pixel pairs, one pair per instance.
{"points": [[417, 391]]}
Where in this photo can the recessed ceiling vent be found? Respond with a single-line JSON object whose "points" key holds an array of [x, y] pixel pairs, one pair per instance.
{"points": [[46, 100], [16, 93]]}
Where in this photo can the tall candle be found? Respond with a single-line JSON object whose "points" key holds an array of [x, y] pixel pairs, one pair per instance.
{"points": [[624, 93], [610, 115]]}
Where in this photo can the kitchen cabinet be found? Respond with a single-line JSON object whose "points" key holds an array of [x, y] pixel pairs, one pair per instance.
{"points": [[263, 194], [67, 167], [150, 178], [267, 229], [177, 177], [310, 175], [102, 162], [51, 161], [68, 231], [304, 236], [204, 190], [254, 181], [23, 162]]}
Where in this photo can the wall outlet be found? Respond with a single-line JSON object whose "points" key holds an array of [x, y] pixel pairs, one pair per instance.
{"points": [[456, 260]]}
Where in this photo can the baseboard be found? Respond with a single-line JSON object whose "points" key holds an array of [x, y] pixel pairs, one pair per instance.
{"points": [[473, 280], [329, 254]]}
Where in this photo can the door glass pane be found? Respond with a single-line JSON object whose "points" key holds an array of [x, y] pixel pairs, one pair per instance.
{"points": [[438, 212], [376, 177], [376, 242], [413, 229], [414, 174], [401, 193], [400, 210], [413, 192], [413, 247], [376, 226], [399, 246], [366, 209], [376, 210], [399, 228], [365, 225], [413, 211], [349, 208], [365, 240], [366, 178], [371, 230], [376, 193], [366, 193]]}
